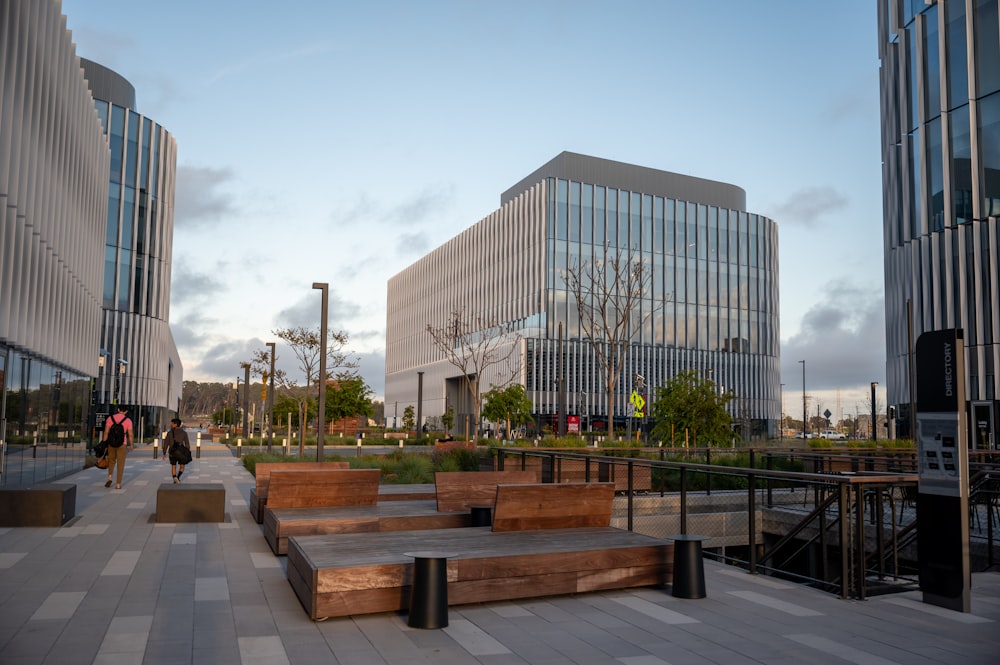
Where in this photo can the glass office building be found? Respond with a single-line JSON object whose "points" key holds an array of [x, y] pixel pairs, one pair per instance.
{"points": [[940, 98], [56, 241], [711, 305]]}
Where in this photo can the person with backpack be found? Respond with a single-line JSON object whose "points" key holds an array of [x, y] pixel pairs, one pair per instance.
{"points": [[179, 449], [118, 436]]}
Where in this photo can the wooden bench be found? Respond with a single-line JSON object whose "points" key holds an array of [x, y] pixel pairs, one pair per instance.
{"points": [[520, 557], [191, 502], [47, 504], [455, 491], [576, 471], [262, 477], [460, 490], [322, 488]]}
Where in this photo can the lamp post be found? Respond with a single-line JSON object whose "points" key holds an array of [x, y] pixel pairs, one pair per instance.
{"points": [[321, 407], [236, 401], [246, 399], [804, 436], [122, 365], [270, 401], [874, 428], [781, 411]]}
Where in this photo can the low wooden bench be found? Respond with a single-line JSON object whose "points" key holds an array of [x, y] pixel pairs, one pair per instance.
{"points": [[262, 480], [191, 502], [460, 490], [520, 557], [322, 488], [45, 504], [455, 491]]}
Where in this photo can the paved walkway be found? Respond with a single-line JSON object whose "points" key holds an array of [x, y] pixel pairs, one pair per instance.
{"points": [[112, 587]]}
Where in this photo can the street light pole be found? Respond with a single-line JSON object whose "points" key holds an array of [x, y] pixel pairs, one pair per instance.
{"points": [[270, 401], [122, 364], [321, 422], [874, 413], [804, 435], [781, 411]]}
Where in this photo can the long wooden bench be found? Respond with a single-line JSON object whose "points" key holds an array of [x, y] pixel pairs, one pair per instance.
{"points": [[262, 480], [455, 491], [322, 488], [522, 556]]}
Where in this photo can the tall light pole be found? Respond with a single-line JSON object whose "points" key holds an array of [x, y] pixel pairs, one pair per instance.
{"points": [[270, 401], [321, 422], [804, 435], [246, 398], [122, 364], [781, 411], [874, 413]]}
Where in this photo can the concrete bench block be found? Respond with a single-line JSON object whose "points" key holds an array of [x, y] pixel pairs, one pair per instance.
{"points": [[45, 504], [193, 502]]}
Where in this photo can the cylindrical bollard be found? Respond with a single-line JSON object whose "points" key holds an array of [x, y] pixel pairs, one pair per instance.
{"points": [[197, 444], [359, 444], [284, 446], [239, 448], [429, 591], [400, 443]]}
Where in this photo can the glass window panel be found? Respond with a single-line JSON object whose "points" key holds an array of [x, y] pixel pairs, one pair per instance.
{"points": [[111, 237], [132, 152], [561, 209], [599, 213], [110, 263], [153, 184], [961, 166], [913, 63], [124, 266], [128, 217], [691, 232], [914, 182], [987, 36], [935, 174], [670, 228], [989, 134], [574, 211], [958, 68], [147, 135], [623, 221], [612, 203], [587, 222], [932, 72], [646, 223]]}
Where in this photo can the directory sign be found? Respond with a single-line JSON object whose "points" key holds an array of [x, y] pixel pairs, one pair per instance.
{"points": [[943, 488]]}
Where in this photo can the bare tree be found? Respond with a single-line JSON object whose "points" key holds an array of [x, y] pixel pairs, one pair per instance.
{"points": [[474, 345], [305, 344], [608, 294]]}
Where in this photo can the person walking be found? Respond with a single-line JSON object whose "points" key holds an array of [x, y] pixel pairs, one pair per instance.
{"points": [[177, 448], [118, 435]]}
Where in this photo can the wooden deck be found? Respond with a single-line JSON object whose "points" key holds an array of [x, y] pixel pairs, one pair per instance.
{"points": [[369, 572], [281, 523]]}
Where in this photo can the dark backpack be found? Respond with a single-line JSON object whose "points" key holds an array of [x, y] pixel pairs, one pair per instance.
{"points": [[116, 435]]}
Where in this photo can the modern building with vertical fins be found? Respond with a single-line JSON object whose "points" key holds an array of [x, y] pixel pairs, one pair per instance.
{"points": [[713, 294], [940, 99], [84, 258]]}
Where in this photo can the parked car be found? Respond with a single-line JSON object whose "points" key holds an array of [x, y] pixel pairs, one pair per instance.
{"points": [[803, 435], [832, 435]]}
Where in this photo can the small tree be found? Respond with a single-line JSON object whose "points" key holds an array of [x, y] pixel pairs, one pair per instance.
{"points": [[348, 396], [611, 299], [474, 345], [408, 417], [509, 405], [448, 420], [689, 402]]}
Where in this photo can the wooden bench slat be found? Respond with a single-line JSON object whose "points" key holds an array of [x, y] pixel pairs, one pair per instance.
{"points": [[262, 480], [323, 487], [460, 490], [553, 506]]}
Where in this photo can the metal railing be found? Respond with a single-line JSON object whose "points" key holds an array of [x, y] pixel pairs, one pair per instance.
{"points": [[851, 532]]}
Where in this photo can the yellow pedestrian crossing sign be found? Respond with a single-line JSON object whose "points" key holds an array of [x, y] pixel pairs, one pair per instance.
{"points": [[639, 402]]}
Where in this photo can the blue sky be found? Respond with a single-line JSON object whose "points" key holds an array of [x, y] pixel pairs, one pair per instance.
{"points": [[333, 141]]}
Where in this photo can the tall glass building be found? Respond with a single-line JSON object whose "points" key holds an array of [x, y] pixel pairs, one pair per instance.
{"points": [[81, 255], [713, 296], [940, 83]]}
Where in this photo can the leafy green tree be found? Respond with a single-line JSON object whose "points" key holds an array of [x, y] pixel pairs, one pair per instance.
{"points": [[448, 419], [348, 396], [409, 416], [690, 402], [508, 405]]}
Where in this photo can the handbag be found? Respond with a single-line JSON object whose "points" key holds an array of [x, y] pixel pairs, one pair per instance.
{"points": [[102, 462]]}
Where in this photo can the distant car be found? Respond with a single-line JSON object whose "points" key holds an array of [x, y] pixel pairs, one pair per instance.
{"points": [[832, 435], [803, 435]]}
